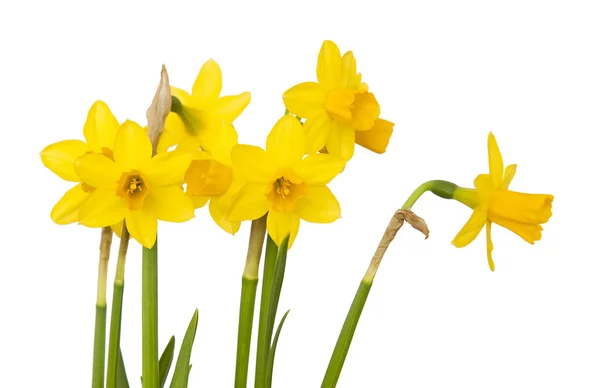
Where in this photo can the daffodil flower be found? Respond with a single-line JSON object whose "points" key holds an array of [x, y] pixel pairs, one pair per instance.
{"points": [[195, 117], [210, 179], [492, 202], [134, 186], [339, 109], [100, 130], [284, 183]]}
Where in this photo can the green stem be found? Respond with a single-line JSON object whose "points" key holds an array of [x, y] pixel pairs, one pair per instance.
{"points": [[99, 347], [248, 298], [440, 188], [100, 325], [115, 317], [345, 338], [263, 343], [150, 375]]}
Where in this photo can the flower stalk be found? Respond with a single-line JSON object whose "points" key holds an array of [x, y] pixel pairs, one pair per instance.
{"points": [[342, 345], [100, 325], [248, 298], [150, 376], [115, 317]]}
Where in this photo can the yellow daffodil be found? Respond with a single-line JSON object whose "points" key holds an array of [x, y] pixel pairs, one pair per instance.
{"points": [[99, 131], [210, 178], [134, 186], [195, 117], [339, 109], [492, 202], [284, 183]]}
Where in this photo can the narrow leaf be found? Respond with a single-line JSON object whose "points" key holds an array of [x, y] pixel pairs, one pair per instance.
{"points": [[274, 294], [271, 361], [164, 364], [121, 373], [182, 367]]}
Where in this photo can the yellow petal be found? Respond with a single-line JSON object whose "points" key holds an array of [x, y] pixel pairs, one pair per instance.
{"points": [[377, 138], [199, 201], [305, 100], [509, 174], [142, 226], [319, 205], [329, 66], [280, 224], [341, 141], [286, 142], [484, 186], [228, 108], [489, 245], [132, 149], [218, 211], [528, 232], [170, 203], [207, 178], [167, 168], [100, 128], [350, 79], [250, 203], [60, 158], [495, 161], [253, 164], [317, 130], [521, 207], [171, 135], [118, 228], [219, 141], [319, 169], [472, 228], [98, 171], [67, 208], [208, 83], [102, 208]]}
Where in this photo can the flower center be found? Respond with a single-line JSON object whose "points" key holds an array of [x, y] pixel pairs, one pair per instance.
{"points": [[284, 193], [132, 188], [356, 108], [207, 178]]}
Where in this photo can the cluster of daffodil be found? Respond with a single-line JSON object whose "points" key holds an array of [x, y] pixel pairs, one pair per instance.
{"points": [[125, 182]]}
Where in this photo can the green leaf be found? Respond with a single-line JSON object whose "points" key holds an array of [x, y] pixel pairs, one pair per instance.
{"points": [[121, 373], [263, 343], [164, 364], [182, 367], [271, 361], [274, 294]]}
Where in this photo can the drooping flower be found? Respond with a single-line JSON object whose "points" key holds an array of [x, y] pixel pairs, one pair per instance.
{"points": [[492, 202], [210, 178], [195, 117], [339, 109], [284, 183], [134, 186], [100, 130]]}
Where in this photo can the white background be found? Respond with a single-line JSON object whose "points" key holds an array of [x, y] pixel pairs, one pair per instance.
{"points": [[446, 73]]}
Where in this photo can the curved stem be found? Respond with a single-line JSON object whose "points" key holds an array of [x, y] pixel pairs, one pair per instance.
{"points": [[443, 189]]}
